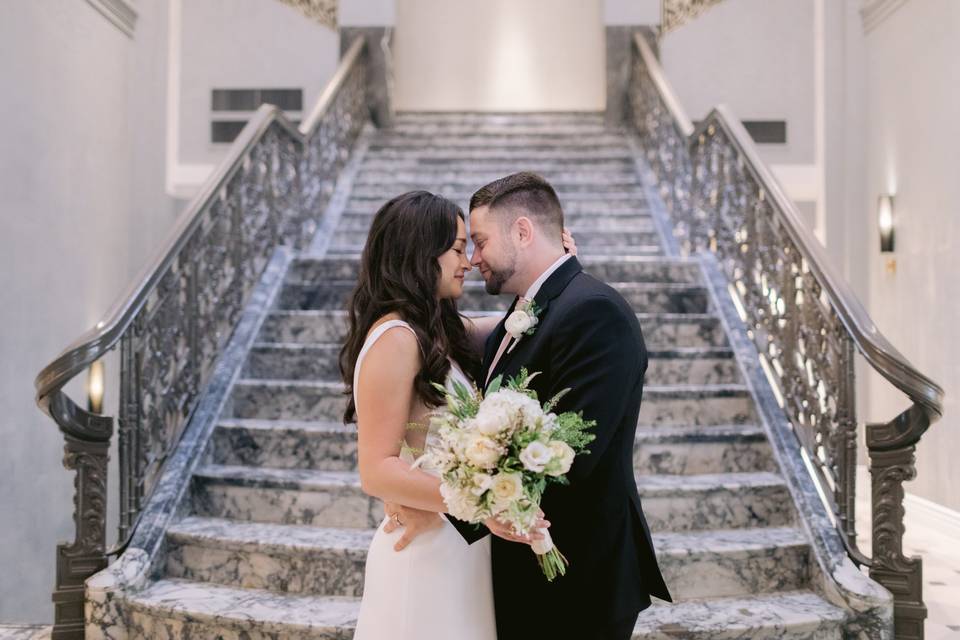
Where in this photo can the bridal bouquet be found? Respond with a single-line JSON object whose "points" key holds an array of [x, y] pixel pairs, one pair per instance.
{"points": [[496, 454]]}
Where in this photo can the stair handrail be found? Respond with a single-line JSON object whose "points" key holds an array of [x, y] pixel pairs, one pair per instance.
{"points": [[803, 317], [269, 190]]}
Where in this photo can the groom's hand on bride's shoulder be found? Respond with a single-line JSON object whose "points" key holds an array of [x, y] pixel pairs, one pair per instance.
{"points": [[412, 521]]}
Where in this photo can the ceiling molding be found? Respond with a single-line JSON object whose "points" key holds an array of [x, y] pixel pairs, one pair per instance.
{"points": [[874, 12], [120, 13]]}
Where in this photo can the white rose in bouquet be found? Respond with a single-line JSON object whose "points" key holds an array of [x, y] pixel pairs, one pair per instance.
{"points": [[535, 456], [491, 420], [562, 455], [482, 451], [507, 487], [458, 503], [481, 483]]}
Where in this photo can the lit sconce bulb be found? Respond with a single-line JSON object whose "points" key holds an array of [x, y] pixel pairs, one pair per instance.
{"points": [[95, 388], [885, 222]]}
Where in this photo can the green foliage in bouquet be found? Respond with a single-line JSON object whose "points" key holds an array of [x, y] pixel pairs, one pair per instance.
{"points": [[499, 451]]}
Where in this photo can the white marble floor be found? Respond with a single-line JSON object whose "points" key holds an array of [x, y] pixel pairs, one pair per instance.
{"points": [[24, 632], [941, 565]]}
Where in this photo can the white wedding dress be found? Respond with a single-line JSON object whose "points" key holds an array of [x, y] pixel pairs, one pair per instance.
{"points": [[439, 587]]}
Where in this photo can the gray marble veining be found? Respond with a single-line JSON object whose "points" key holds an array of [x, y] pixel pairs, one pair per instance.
{"points": [[301, 559], [291, 496], [285, 444], [714, 501], [688, 450], [24, 632]]}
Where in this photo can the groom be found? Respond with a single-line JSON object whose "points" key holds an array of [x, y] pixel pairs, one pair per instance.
{"points": [[587, 339]]}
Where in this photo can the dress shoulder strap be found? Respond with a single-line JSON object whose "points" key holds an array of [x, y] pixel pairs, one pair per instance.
{"points": [[372, 337]]}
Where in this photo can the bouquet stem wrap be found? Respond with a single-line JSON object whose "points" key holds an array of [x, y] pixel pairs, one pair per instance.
{"points": [[551, 561]]}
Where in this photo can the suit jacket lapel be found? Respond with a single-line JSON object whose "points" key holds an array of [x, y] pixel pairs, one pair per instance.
{"points": [[551, 288]]}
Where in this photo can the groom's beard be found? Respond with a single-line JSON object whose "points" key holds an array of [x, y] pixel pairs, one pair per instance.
{"points": [[497, 279], [499, 276]]}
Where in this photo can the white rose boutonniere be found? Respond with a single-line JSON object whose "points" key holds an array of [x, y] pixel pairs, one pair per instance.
{"points": [[522, 322]]}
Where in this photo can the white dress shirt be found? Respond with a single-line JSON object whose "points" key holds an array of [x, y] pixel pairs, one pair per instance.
{"points": [[535, 287]]}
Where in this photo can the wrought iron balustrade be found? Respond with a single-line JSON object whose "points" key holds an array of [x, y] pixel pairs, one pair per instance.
{"points": [[676, 13], [805, 321], [174, 321]]}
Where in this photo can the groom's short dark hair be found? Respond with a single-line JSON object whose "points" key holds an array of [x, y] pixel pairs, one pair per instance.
{"points": [[525, 191]]}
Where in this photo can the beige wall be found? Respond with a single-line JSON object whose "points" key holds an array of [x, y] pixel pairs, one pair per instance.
{"points": [[516, 55], [912, 150], [82, 201], [236, 44], [757, 57]]}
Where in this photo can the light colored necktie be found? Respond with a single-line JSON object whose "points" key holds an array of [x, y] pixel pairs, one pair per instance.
{"points": [[503, 344]]}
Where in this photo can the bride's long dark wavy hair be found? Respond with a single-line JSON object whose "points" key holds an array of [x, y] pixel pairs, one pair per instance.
{"points": [[399, 273]]}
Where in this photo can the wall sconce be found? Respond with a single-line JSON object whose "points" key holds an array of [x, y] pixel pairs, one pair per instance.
{"points": [[885, 224], [95, 387], [885, 221]]}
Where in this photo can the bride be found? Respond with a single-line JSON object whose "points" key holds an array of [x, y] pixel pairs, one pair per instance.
{"points": [[406, 334]]}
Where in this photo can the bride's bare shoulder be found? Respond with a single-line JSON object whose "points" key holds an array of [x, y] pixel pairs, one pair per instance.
{"points": [[397, 346], [384, 319]]}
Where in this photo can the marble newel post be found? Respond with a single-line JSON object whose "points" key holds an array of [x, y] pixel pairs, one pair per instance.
{"points": [[623, 18], [375, 20]]}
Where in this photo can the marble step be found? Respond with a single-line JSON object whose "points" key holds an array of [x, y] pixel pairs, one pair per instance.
{"points": [[468, 176], [334, 498], [325, 401], [698, 449], [332, 446], [570, 142], [465, 180], [461, 195], [509, 157], [498, 166], [572, 205], [172, 609], [186, 610], [288, 496], [645, 297], [314, 271], [284, 558], [433, 129], [375, 197], [296, 361], [579, 223], [588, 241], [715, 501], [659, 329], [698, 405], [284, 444], [305, 559], [504, 118]]}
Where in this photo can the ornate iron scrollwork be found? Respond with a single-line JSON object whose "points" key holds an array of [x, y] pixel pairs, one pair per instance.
{"points": [[323, 11], [805, 322], [676, 13]]}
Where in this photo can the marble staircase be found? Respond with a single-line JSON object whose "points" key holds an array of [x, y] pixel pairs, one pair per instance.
{"points": [[273, 537]]}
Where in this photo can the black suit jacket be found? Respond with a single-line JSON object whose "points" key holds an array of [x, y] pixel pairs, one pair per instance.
{"points": [[588, 340]]}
